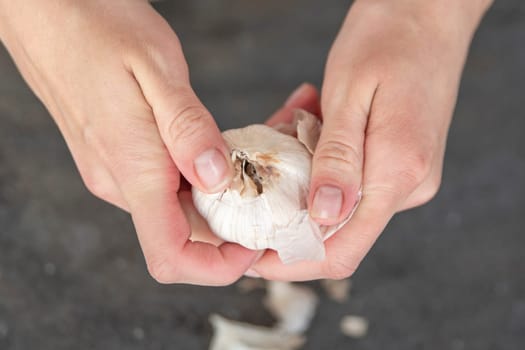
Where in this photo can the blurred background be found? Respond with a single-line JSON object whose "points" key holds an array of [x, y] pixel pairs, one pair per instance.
{"points": [[449, 275]]}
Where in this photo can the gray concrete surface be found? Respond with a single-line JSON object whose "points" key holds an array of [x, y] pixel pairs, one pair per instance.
{"points": [[449, 275]]}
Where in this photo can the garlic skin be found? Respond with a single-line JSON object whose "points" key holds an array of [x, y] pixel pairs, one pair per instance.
{"points": [[293, 305], [233, 335], [266, 204]]}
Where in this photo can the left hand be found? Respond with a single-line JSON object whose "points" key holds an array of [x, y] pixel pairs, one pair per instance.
{"points": [[114, 77], [390, 88]]}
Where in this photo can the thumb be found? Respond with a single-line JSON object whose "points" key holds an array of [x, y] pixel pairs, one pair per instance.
{"points": [[194, 140], [338, 159], [185, 125]]}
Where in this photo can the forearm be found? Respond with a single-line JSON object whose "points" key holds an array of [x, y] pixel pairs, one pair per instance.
{"points": [[21, 18], [471, 11], [465, 15], [481, 6], [18, 16]]}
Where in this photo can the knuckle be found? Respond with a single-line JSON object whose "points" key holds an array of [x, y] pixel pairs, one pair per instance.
{"points": [[431, 187], [98, 185], [340, 269], [338, 155], [435, 183], [417, 168], [428, 190], [163, 270], [188, 123], [160, 49], [229, 279]]}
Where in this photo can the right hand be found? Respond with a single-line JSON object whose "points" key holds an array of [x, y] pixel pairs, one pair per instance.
{"points": [[113, 76]]}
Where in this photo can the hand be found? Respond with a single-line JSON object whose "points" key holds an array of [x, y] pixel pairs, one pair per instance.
{"points": [[113, 76], [390, 88]]}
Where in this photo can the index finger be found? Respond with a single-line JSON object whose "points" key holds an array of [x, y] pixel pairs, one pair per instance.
{"points": [[304, 97], [388, 181]]}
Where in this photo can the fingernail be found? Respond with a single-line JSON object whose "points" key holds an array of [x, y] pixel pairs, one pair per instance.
{"points": [[296, 94], [252, 273], [327, 204], [212, 169]]}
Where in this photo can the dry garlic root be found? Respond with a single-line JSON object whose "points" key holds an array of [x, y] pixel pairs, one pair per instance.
{"points": [[265, 207]]}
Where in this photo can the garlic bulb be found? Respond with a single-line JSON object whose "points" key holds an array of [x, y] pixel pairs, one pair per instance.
{"points": [[266, 204]]}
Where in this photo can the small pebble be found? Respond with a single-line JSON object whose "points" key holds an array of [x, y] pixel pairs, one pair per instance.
{"points": [[121, 263], [454, 219], [354, 326], [4, 329], [138, 333], [50, 269]]}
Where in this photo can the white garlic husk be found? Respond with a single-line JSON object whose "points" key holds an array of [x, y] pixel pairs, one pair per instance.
{"points": [[233, 335], [265, 207]]}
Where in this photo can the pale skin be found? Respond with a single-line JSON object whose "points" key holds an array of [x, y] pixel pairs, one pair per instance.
{"points": [[113, 76]]}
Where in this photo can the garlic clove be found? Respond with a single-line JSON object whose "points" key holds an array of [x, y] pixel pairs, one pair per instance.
{"points": [[270, 187]]}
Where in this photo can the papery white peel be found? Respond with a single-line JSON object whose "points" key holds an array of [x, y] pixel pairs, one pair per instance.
{"points": [[232, 335], [292, 305], [266, 205], [354, 326]]}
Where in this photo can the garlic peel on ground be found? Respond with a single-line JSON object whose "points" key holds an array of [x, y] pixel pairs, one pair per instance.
{"points": [[265, 207], [293, 305], [354, 326], [232, 335]]}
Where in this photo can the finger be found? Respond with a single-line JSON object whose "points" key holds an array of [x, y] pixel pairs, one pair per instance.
{"points": [[338, 159], [304, 97], [186, 126], [385, 190], [200, 230], [426, 191], [344, 250], [171, 257], [149, 182], [407, 131], [392, 171]]}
